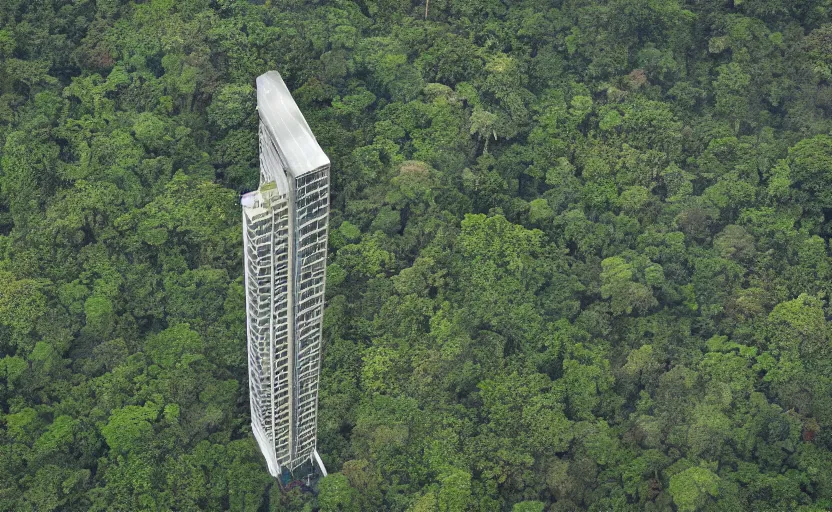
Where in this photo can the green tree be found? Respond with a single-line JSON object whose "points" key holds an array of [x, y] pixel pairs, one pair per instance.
{"points": [[618, 285], [693, 488]]}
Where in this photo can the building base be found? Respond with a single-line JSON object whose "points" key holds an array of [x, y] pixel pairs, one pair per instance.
{"points": [[267, 449]]}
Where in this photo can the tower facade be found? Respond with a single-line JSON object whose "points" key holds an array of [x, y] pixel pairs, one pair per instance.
{"points": [[285, 225]]}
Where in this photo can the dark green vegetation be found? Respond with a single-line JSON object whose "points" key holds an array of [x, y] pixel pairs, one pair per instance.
{"points": [[579, 253]]}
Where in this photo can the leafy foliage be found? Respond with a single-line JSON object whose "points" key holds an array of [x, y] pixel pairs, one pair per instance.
{"points": [[579, 253]]}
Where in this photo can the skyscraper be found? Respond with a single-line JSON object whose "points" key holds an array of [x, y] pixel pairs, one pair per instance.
{"points": [[285, 241]]}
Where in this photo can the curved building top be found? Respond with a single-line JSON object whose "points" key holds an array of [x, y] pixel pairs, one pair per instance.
{"points": [[298, 149]]}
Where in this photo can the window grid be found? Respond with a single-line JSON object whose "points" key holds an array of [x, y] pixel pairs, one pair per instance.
{"points": [[285, 226]]}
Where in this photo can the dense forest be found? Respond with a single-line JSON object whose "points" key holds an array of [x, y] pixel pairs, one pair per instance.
{"points": [[579, 253]]}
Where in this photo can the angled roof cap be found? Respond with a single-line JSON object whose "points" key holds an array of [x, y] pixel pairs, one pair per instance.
{"points": [[297, 147]]}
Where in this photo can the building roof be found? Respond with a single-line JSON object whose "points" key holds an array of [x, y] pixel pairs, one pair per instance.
{"points": [[296, 145]]}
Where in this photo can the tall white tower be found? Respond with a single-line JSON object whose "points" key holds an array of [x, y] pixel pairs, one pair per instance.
{"points": [[285, 239]]}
